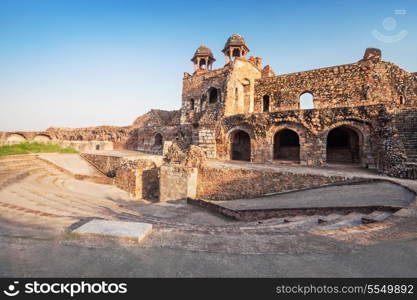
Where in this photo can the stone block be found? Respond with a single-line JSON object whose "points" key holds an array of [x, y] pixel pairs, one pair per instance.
{"points": [[130, 230], [178, 182]]}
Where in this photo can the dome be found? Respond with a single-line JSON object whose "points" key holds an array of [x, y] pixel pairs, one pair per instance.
{"points": [[235, 40], [203, 51]]}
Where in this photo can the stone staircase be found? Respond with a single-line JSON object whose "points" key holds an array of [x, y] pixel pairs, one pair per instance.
{"points": [[316, 222], [406, 123], [33, 192]]}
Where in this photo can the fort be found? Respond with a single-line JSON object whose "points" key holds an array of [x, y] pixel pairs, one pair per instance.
{"points": [[253, 162], [362, 113]]}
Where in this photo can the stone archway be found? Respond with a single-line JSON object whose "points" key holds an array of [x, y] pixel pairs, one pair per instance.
{"points": [[158, 140], [42, 138], [15, 138], [343, 145], [286, 145], [213, 95], [240, 145]]}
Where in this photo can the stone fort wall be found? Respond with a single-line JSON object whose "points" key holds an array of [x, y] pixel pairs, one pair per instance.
{"points": [[363, 83]]}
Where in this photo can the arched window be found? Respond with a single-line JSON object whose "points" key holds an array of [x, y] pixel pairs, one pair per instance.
{"points": [[306, 100], [265, 103], [213, 95], [192, 104], [158, 140], [402, 100]]}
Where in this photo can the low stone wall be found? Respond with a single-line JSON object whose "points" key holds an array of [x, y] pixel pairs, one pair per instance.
{"points": [[139, 177], [405, 170], [177, 182], [227, 184], [86, 145], [104, 163]]}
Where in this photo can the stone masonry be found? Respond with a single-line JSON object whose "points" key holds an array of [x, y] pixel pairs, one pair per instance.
{"points": [[362, 113]]}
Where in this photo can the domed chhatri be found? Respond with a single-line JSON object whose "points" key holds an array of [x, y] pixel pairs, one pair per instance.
{"points": [[235, 47], [235, 40], [203, 59], [203, 51]]}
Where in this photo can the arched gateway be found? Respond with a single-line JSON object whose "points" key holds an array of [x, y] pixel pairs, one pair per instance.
{"points": [[286, 145], [240, 146], [343, 145]]}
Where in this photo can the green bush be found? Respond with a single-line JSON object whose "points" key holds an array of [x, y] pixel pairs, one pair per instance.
{"points": [[33, 147]]}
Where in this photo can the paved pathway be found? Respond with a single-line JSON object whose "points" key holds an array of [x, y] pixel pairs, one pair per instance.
{"points": [[71, 162], [38, 202], [348, 172], [352, 195], [127, 154], [34, 192]]}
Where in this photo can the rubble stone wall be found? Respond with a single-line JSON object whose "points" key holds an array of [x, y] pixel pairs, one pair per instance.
{"points": [[195, 89], [363, 83], [118, 135], [139, 177], [311, 126], [205, 139], [227, 184], [146, 141]]}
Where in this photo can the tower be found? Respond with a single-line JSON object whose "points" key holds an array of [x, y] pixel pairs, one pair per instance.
{"points": [[235, 47], [203, 59]]}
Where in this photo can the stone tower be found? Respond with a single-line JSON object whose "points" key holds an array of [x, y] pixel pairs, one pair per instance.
{"points": [[203, 59], [235, 47]]}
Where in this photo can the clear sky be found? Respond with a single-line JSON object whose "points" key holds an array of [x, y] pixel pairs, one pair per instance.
{"points": [[75, 63]]}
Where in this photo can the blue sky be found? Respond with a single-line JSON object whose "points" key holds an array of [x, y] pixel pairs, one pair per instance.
{"points": [[76, 63]]}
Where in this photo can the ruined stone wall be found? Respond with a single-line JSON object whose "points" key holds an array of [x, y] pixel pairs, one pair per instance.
{"points": [[106, 164], [404, 85], [196, 87], [86, 145], [7, 138], [118, 135], [227, 184], [395, 141], [241, 87], [146, 137], [363, 83], [311, 126], [205, 139], [205, 114], [380, 145], [139, 177], [406, 124], [235, 84]]}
